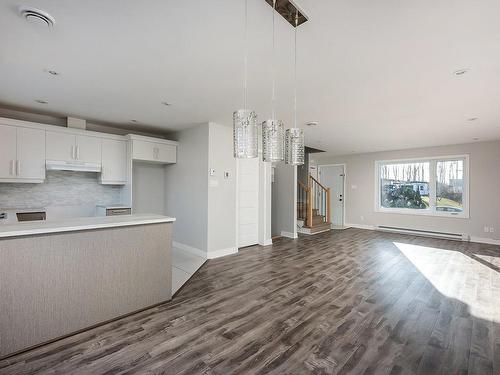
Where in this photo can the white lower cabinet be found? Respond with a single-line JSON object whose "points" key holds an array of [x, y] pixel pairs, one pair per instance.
{"points": [[114, 162], [22, 154]]}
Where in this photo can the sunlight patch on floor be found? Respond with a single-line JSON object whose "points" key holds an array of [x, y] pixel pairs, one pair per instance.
{"points": [[457, 276]]}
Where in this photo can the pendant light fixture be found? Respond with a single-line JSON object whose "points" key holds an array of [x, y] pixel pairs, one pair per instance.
{"points": [[294, 139], [245, 129], [273, 134]]}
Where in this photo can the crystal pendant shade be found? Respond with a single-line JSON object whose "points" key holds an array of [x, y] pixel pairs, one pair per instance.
{"points": [[245, 134], [273, 141], [294, 146]]}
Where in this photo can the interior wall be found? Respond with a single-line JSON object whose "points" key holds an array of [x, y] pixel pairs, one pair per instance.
{"points": [[148, 188], [186, 188], [285, 198], [484, 183], [221, 190]]}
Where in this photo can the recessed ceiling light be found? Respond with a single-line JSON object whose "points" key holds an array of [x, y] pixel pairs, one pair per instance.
{"points": [[134, 121], [460, 72], [475, 139], [166, 104], [52, 72], [312, 123], [37, 16], [473, 119], [40, 101]]}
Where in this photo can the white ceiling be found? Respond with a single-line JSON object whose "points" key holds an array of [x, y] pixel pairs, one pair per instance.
{"points": [[377, 75]]}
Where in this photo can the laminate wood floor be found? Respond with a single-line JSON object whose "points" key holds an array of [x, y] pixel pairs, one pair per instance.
{"points": [[351, 301]]}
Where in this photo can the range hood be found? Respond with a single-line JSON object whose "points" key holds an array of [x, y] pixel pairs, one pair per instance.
{"points": [[58, 165]]}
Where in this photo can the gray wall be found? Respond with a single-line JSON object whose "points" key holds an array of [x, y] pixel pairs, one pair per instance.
{"points": [[148, 188], [186, 186], [61, 189], [221, 190], [284, 199], [484, 200]]}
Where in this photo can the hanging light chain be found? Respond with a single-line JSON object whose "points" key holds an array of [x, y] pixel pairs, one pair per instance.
{"points": [[273, 67], [295, 68], [245, 76]]}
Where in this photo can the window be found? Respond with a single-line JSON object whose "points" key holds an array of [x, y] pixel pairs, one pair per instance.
{"points": [[433, 186]]}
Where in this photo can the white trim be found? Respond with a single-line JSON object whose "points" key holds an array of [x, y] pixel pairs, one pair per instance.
{"points": [[344, 192], [431, 211], [137, 137], [489, 241], [267, 242], [289, 234], [360, 226], [190, 249], [59, 129], [221, 252]]}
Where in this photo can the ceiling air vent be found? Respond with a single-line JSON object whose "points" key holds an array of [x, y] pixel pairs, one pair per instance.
{"points": [[37, 16]]}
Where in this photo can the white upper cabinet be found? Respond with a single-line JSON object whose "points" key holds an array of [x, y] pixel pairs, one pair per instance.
{"points": [[88, 149], [60, 146], [153, 150], [69, 147], [8, 156], [31, 153], [22, 154], [114, 162]]}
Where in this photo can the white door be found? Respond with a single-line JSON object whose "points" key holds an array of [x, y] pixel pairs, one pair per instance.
{"points": [[332, 176], [7, 151], [60, 146], [31, 153], [88, 149], [248, 202], [114, 161]]}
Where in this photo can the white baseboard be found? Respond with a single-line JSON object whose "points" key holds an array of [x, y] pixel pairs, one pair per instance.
{"points": [[360, 226], [289, 234], [222, 252], [190, 249], [489, 241], [267, 242]]}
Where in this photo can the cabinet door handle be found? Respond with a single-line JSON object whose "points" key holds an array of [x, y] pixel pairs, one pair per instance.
{"points": [[77, 152], [18, 165], [72, 152]]}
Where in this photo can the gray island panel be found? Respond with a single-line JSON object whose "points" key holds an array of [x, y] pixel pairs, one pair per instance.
{"points": [[52, 285]]}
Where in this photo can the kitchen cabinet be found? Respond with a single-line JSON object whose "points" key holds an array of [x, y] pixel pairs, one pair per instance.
{"points": [[114, 162], [22, 154], [154, 150], [68, 147]]}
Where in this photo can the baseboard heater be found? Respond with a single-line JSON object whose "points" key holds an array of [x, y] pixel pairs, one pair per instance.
{"points": [[425, 233]]}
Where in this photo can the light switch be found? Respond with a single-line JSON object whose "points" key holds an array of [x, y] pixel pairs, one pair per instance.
{"points": [[226, 175]]}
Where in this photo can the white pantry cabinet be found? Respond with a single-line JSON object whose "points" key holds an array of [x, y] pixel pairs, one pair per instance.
{"points": [[153, 150], [63, 146], [22, 154], [114, 162]]}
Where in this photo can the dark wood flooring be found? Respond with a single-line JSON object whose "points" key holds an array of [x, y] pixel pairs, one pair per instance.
{"points": [[353, 301]]}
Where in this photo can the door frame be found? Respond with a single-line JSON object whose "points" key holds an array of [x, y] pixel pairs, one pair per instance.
{"points": [[344, 165]]}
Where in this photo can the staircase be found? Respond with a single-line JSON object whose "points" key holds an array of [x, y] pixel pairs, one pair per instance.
{"points": [[313, 207]]}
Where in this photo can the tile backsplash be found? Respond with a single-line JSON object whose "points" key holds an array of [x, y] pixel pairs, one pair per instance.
{"points": [[60, 189]]}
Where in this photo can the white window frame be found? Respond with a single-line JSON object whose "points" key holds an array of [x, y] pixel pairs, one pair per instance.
{"points": [[431, 211]]}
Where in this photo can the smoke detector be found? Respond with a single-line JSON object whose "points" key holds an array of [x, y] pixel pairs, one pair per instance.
{"points": [[37, 16]]}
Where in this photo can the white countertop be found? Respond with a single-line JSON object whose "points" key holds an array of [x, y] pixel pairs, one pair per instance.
{"points": [[78, 224]]}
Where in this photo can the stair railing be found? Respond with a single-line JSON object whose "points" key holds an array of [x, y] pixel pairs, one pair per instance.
{"points": [[319, 201], [313, 200]]}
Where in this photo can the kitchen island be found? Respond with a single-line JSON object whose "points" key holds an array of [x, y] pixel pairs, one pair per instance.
{"points": [[61, 277]]}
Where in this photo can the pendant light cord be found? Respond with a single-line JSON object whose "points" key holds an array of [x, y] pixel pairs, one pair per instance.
{"points": [[245, 76], [295, 68], [273, 99]]}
